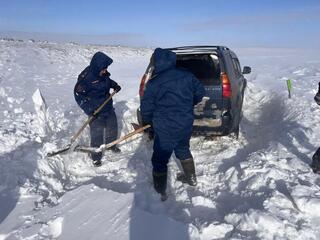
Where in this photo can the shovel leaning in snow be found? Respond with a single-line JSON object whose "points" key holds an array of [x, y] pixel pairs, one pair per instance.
{"points": [[89, 120], [103, 147]]}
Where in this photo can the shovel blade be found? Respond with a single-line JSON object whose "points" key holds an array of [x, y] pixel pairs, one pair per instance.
{"points": [[63, 150]]}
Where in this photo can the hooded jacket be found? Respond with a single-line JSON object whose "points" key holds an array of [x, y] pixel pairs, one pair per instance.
{"points": [[92, 90], [170, 96]]}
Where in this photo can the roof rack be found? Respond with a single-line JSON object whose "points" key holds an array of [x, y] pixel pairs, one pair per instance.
{"points": [[185, 49]]}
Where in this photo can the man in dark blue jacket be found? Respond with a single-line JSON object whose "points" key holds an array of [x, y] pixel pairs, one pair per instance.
{"points": [[315, 165], [167, 104], [91, 90]]}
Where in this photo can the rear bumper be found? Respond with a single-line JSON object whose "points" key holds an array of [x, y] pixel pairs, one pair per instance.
{"points": [[208, 126], [208, 131], [207, 122], [222, 126]]}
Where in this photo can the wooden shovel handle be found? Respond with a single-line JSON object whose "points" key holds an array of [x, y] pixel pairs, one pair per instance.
{"points": [[109, 145]]}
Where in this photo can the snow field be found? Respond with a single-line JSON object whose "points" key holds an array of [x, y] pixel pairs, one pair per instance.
{"points": [[257, 187]]}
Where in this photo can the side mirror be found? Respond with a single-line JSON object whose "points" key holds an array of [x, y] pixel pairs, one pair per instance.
{"points": [[246, 70]]}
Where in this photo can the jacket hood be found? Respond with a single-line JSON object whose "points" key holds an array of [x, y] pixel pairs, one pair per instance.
{"points": [[163, 60], [98, 62]]}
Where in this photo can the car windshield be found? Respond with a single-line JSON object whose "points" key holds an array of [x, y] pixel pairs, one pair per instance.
{"points": [[205, 67]]}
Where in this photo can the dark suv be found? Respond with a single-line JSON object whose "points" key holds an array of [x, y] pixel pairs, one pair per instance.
{"points": [[218, 69]]}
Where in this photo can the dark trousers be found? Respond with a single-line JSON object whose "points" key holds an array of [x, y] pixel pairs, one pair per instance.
{"points": [[103, 131], [164, 146], [316, 157]]}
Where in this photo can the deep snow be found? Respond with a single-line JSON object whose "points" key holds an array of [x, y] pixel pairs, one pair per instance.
{"points": [[257, 187]]}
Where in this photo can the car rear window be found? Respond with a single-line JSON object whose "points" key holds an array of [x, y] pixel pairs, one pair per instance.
{"points": [[205, 67]]}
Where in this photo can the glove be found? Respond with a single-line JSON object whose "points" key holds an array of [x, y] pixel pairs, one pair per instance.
{"points": [[117, 88], [149, 131]]}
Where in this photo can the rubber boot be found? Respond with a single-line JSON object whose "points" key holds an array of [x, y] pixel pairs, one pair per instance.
{"points": [[189, 175], [96, 159], [97, 163], [315, 165], [160, 182]]}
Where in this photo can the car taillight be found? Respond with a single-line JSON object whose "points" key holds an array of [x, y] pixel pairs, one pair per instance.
{"points": [[142, 83], [226, 86]]}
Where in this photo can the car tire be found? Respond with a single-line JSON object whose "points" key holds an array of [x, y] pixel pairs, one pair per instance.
{"points": [[236, 132], [237, 127]]}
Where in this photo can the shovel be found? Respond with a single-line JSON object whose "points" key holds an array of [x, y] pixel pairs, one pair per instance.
{"points": [[89, 120], [103, 147]]}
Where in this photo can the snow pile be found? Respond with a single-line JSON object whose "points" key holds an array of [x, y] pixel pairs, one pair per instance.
{"points": [[41, 111], [257, 187], [110, 216]]}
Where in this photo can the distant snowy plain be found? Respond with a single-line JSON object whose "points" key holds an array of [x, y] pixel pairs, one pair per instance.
{"points": [[257, 187]]}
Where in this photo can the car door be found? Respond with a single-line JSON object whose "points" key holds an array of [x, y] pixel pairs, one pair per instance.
{"points": [[239, 76], [241, 82]]}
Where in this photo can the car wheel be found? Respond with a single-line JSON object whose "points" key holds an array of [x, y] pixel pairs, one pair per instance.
{"points": [[236, 132], [237, 127]]}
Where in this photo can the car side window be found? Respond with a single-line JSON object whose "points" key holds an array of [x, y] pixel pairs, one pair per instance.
{"points": [[236, 66]]}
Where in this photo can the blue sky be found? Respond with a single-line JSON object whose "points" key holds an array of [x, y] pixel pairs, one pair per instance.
{"points": [[275, 23]]}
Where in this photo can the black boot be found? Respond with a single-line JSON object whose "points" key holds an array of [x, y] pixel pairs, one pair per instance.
{"points": [[189, 175], [96, 163], [160, 182], [315, 165], [96, 159]]}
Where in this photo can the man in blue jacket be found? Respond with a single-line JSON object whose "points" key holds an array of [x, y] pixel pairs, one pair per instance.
{"points": [[167, 104], [91, 90], [315, 165]]}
